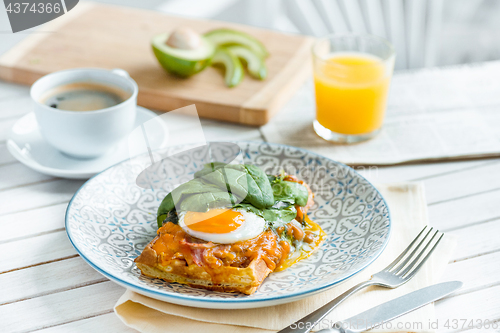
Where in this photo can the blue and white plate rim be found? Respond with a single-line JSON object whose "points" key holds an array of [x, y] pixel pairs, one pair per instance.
{"points": [[187, 300]]}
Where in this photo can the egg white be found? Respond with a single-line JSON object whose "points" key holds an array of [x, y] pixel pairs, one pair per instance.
{"points": [[252, 226]]}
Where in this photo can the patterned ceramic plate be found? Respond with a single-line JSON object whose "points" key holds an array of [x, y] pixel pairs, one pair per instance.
{"points": [[110, 220]]}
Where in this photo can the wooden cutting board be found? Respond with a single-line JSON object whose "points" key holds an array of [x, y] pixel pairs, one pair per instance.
{"points": [[95, 35]]}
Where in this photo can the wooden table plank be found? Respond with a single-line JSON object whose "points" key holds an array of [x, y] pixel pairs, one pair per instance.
{"points": [[463, 183], [476, 273], [87, 267], [254, 102], [35, 250], [474, 246], [11, 90], [46, 279], [213, 132], [417, 172], [463, 199], [15, 105], [466, 211], [39, 195], [108, 322], [218, 131], [40, 281], [41, 220], [60, 308], [446, 309], [19, 174], [5, 126], [480, 305], [5, 156], [476, 240], [51, 219]]}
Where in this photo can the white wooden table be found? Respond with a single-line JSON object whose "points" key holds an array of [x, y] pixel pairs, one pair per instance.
{"points": [[46, 287]]}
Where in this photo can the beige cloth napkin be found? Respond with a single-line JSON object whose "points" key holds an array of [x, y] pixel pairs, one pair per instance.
{"points": [[409, 215]]}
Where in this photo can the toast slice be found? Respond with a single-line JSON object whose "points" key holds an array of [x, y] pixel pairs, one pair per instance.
{"points": [[175, 256], [230, 279]]}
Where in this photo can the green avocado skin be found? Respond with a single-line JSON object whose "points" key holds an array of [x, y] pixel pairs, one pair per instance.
{"points": [[180, 67]]}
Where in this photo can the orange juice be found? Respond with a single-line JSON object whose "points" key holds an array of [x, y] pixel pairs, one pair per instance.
{"points": [[351, 92]]}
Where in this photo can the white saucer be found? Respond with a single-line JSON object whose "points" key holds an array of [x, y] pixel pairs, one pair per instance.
{"points": [[28, 146]]}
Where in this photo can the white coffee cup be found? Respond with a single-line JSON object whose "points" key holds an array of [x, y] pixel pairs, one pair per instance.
{"points": [[85, 134]]}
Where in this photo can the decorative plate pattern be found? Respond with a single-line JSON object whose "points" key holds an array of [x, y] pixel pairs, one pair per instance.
{"points": [[111, 219]]}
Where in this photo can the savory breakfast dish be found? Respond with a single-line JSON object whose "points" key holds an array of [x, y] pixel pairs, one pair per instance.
{"points": [[230, 227]]}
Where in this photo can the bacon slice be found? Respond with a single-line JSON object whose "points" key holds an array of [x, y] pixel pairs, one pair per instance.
{"points": [[197, 256], [191, 244]]}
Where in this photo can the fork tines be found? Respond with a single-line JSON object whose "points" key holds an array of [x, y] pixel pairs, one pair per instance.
{"points": [[416, 254]]}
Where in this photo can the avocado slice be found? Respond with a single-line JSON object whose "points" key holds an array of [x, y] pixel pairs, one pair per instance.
{"points": [[182, 62], [226, 37], [255, 64], [234, 69]]}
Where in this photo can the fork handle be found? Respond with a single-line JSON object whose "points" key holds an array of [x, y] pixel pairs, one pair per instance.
{"points": [[305, 324]]}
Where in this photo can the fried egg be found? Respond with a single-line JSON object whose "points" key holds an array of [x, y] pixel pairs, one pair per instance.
{"points": [[222, 225]]}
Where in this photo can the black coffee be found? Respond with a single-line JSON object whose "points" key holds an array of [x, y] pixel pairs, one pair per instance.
{"points": [[83, 96]]}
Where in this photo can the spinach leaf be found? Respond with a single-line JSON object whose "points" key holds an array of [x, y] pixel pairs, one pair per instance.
{"points": [[282, 215], [239, 186], [274, 216], [250, 208], [167, 205], [209, 167], [197, 196], [246, 181], [232, 179], [202, 202], [170, 216], [259, 188], [291, 192]]}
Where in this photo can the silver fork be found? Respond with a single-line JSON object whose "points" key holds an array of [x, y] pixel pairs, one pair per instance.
{"points": [[400, 271]]}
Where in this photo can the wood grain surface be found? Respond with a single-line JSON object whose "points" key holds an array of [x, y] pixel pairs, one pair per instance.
{"points": [[462, 200], [94, 35], [46, 287]]}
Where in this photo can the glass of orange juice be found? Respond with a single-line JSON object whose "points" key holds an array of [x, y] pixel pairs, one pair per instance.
{"points": [[352, 73]]}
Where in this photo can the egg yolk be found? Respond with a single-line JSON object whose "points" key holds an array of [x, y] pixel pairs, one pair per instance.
{"points": [[215, 221]]}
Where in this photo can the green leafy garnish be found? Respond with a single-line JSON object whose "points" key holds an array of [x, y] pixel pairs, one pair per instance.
{"points": [[197, 196], [237, 186], [280, 216], [219, 185], [291, 192], [247, 181], [274, 216]]}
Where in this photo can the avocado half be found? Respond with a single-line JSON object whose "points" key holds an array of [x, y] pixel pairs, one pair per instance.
{"points": [[182, 62]]}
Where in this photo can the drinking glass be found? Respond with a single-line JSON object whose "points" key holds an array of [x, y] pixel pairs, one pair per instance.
{"points": [[352, 73]]}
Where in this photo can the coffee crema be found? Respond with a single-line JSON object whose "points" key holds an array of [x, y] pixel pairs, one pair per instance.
{"points": [[83, 96]]}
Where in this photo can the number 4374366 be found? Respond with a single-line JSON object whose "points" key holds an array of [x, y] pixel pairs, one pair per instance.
{"points": [[470, 323], [24, 7]]}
